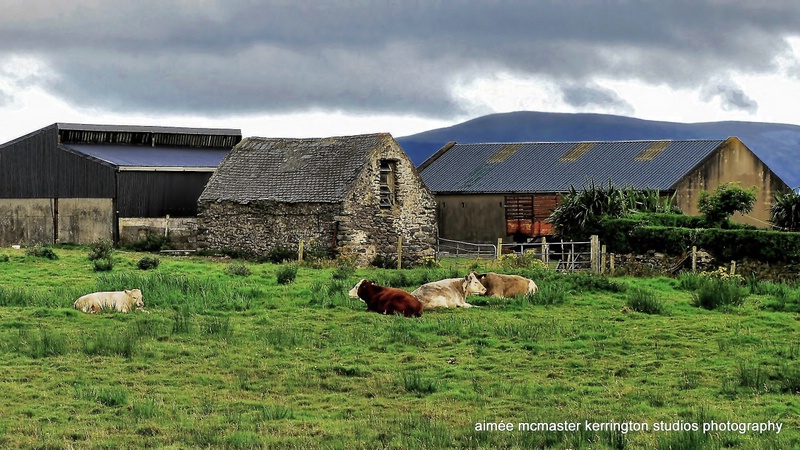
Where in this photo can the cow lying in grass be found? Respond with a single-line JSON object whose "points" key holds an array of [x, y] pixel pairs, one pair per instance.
{"points": [[506, 286], [386, 300], [120, 301], [449, 293]]}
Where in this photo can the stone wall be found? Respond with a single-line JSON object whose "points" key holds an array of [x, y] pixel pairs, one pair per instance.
{"points": [[370, 231], [258, 227]]}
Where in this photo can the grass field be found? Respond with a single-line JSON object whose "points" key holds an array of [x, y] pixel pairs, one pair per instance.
{"points": [[241, 361]]}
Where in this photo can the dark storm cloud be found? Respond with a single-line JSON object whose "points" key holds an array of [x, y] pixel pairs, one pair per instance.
{"points": [[218, 57]]}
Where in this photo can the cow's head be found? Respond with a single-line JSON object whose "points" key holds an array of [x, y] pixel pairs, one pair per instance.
{"points": [[136, 296], [473, 286], [354, 292]]}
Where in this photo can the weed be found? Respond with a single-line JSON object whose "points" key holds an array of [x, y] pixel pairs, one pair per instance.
{"points": [[41, 251], [238, 268], [145, 409], [280, 254], [181, 321], [645, 301], [103, 264], [415, 383], [105, 343], [286, 273], [548, 294], [751, 376], [715, 293], [148, 262], [218, 326], [276, 412], [152, 242], [4, 258], [101, 249]]}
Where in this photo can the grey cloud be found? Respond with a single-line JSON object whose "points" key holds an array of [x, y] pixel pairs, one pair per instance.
{"points": [[224, 56], [730, 96], [582, 96]]}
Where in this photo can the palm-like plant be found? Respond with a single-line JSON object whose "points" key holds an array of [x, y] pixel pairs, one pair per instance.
{"points": [[785, 211]]}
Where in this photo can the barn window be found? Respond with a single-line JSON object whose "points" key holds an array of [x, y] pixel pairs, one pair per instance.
{"points": [[388, 183]]}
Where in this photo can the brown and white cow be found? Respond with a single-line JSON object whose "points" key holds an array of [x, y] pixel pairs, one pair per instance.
{"points": [[121, 301], [449, 293], [506, 286], [386, 300]]}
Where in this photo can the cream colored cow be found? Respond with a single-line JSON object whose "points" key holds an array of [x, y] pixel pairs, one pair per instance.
{"points": [[121, 301], [449, 293]]}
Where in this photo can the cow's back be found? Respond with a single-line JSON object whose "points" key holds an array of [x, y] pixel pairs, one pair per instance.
{"points": [[441, 294], [500, 285]]}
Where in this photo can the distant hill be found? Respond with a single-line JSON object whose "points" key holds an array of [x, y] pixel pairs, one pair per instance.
{"points": [[778, 145]]}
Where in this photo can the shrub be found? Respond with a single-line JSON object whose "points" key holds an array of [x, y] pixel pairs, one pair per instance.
{"points": [[103, 264], [238, 268], [727, 199], [384, 261], [148, 262], [4, 258], [286, 273], [785, 211], [714, 293], [526, 260], [41, 251], [101, 249], [645, 301]]}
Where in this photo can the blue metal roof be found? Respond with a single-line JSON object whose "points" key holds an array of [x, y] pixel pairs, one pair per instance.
{"points": [[555, 166], [174, 158]]}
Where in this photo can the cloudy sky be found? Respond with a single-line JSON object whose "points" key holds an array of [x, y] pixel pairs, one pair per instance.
{"points": [[318, 68]]}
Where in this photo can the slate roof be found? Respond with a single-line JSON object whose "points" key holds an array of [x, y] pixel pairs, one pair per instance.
{"points": [[314, 170], [555, 166], [170, 158]]}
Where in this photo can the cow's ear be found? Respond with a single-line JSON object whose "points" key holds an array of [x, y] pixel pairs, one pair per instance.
{"points": [[128, 291], [480, 275]]}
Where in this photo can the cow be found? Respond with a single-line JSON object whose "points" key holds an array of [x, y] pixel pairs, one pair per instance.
{"points": [[449, 293], [506, 286], [121, 301], [386, 300]]}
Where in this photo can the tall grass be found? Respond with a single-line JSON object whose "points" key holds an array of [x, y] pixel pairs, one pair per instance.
{"points": [[715, 293]]}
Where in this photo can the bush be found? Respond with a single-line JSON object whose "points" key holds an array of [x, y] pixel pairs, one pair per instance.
{"points": [[148, 262], [237, 268], [287, 273], [41, 251], [101, 249], [727, 199], [384, 262], [526, 260], [4, 258], [103, 264], [645, 301], [785, 211]]}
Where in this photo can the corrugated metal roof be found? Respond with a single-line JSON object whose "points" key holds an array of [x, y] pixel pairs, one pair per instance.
{"points": [[151, 157], [147, 129], [314, 170], [543, 167]]}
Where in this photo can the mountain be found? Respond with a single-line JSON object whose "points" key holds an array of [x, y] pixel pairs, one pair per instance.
{"points": [[778, 145]]}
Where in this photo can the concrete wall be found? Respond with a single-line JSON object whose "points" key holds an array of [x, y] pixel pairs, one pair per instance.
{"points": [[79, 221], [26, 221], [471, 218], [734, 162], [181, 232]]}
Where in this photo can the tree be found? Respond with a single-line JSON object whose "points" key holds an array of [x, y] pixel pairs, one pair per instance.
{"points": [[726, 200], [785, 211]]}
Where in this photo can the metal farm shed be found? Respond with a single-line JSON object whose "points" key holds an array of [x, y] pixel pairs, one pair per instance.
{"points": [[81, 183], [488, 191]]}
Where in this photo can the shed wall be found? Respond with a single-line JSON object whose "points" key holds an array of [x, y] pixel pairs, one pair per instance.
{"points": [[44, 220], [157, 194], [471, 217], [734, 162]]}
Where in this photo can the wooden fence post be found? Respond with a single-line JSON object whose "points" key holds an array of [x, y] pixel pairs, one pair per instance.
{"points": [[694, 259], [611, 268], [733, 268], [399, 252], [602, 258], [594, 253], [300, 252], [544, 249], [499, 250]]}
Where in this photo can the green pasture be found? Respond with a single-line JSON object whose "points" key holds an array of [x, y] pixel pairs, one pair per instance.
{"points": [[231, 358]]}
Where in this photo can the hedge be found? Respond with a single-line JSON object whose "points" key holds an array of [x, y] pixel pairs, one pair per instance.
{"points": [[634, 235]]}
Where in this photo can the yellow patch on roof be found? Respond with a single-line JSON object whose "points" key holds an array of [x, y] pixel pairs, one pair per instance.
{"points": [[652, 150], [503, 154], [576, 152]]}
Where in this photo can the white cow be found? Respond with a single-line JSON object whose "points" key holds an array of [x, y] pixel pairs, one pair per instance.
{"points": [[121, 301], [449, 293]]}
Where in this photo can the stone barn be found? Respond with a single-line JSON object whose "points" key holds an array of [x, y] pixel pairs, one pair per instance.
{"points": [[357, 194]]}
